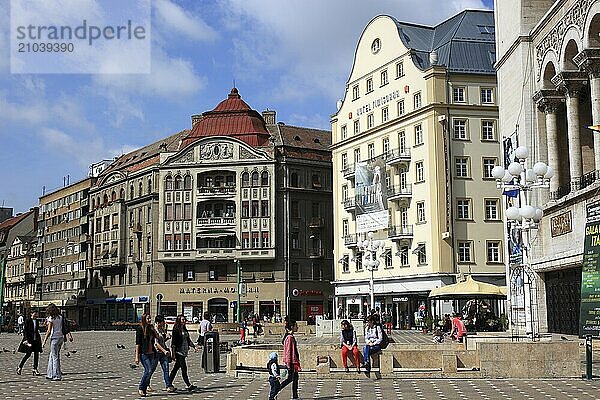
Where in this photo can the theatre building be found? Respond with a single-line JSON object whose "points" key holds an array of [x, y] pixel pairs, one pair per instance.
{"points": [[420, 112], [238, 197]]}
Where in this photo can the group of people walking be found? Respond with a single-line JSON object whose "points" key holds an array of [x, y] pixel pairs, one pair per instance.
{"points": [[57, 332], [152, 349]]}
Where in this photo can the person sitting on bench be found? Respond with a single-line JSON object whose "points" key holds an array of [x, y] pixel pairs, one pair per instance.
{"points": [[373, 337]]}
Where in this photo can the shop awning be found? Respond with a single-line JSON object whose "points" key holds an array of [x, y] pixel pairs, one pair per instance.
{"points": [[470, 288]]}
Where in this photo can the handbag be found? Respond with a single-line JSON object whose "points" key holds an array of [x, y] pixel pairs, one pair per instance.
{"points": [[24, 347]]}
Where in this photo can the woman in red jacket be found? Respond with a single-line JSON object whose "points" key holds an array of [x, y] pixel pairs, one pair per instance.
{"points": [[291, 358]]}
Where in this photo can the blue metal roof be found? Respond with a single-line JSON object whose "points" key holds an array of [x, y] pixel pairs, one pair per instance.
{"points": [[464, 43]]}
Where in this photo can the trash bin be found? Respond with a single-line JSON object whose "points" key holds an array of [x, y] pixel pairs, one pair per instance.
{"points": [[211, 352]]}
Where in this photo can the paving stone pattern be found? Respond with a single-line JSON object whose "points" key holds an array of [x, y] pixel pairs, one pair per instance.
{"points": [[110, 377]]}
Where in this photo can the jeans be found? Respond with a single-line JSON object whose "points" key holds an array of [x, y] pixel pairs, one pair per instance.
{"points": [[164, 364], [149, 363], [180, 363], [293, 379], [36, 358], [53, 371], [368, 350], [275, 387]]}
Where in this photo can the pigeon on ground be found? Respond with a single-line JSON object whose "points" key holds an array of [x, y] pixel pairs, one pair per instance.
{"points": [[73, 351], [98, 356], [4, 349], [68, 354], [132, 366]]}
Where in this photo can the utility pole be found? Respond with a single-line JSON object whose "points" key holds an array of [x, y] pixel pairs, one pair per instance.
{"points": [[239, 281]]}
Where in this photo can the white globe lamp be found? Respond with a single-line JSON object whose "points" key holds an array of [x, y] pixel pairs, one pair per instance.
{"points": [[540, 168], [549, 172], [521, 152], [527, 211], [515, 169], [507, 177], [498, 172], [539, 213], [512, 213]]}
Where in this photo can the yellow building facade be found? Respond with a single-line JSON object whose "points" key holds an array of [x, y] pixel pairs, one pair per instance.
{"points": [[422, 101]]}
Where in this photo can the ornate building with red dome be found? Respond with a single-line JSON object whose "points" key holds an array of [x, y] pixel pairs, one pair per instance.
{"points": [[237, 197]]}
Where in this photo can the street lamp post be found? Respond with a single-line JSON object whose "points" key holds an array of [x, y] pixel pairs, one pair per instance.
{"points": [[521, 181], [370, 247]]}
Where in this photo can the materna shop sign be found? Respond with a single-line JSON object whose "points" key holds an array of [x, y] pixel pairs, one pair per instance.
{"points": [[371, 195]]}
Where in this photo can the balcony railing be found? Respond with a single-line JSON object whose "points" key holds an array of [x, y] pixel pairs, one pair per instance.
{"points": [[351, 239], [212, 190], [400, 232], [349, 204], [217, 221], [588, 179], [397, 156], [317, 222], [397, 192], [348, 171]]}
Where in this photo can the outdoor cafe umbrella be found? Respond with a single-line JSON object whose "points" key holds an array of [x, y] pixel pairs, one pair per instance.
{"points": [[470, 288]]}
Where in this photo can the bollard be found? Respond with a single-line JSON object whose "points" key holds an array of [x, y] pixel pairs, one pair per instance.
{"points": [[588, 357]]}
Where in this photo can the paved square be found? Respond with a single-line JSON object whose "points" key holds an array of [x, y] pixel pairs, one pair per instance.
{"points": [[98, 370]]}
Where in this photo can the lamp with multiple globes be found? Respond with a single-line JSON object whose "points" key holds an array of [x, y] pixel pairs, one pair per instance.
{"points": [[370, 247]]}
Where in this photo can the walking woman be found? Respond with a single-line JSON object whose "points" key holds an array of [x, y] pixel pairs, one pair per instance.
{"points": [[146, 344], [181, 344], [162, 358], [291, 358], [54, 331], [32, 343], [205, 326]]}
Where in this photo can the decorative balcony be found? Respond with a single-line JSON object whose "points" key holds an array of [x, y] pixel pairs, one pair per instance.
{"points": [[400, 232], [317, 252], [349, 204], [397, 156], [398, 192], [348, 171], [212, 191], [351, 239], [216, 222], [316, 222]]}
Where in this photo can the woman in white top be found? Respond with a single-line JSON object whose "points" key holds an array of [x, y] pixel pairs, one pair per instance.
{"points": [[205, 326], [54, 330]]}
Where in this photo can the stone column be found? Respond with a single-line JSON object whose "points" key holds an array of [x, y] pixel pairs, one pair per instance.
{"points": [[570, 83], [548, 101], [589, 61]]}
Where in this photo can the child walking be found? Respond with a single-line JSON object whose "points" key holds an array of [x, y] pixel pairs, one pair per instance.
{"points": [[274, 375]]}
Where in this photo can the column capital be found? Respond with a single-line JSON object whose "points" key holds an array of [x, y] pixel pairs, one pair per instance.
{"points": [[588, 60], [570, 82], [548, 100]]}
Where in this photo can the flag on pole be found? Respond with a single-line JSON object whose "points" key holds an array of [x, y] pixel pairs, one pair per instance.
{"points": [[512, 193]]}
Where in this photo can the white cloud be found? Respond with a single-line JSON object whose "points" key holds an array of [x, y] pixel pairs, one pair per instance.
{"points": [[174, 18], [83, 152], [310, 43]]}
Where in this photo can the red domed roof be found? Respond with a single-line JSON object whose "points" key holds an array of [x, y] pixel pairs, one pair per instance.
{"points": [[231, 117]]}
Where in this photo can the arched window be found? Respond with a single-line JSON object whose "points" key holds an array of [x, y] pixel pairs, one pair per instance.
{"points": [[264, 179], [98, 204], [169, 183], [187, 182], [294, 179], [113, 196], [122, 194], [245, 179], [131, 192], [105, 199], [255, 178], [178, 182], [93, 203], [140, 188], [149, 186]]}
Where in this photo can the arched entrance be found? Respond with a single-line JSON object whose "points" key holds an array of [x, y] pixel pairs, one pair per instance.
{"points": [[219, 309]]}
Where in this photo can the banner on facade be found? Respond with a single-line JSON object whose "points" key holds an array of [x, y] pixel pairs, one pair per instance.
{"points": [[589, 315], [371, 195]]}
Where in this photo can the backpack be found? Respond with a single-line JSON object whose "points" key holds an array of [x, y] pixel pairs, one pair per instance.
{"points": [[66, 329], [385, 340]]}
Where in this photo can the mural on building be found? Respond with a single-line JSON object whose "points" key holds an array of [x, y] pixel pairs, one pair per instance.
{"points": [[371, 195]]}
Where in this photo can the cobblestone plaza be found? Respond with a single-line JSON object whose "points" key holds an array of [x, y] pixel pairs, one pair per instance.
{"points": [[96, 369]]}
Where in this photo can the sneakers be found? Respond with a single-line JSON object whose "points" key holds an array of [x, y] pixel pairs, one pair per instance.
{"points": [[191, 388], [171, 389], [347, 369]]}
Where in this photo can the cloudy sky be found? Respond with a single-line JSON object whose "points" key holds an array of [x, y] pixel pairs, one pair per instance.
{"points": [[292, 56]]}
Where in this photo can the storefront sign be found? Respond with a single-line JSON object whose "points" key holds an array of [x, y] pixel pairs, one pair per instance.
{"points": [[400, 299], [561, 224], [298, 292], [314, 310], [589, 316], [215, 290], [381, 101]]}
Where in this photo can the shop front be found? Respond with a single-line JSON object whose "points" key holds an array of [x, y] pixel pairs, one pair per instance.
{"points": [[106, 312], [307, 303]]}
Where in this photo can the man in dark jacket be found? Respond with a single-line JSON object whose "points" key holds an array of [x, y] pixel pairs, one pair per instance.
{"points": [[31, 343]]}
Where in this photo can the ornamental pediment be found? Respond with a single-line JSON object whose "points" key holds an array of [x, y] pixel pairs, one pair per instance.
{"points": [[215, 150]]}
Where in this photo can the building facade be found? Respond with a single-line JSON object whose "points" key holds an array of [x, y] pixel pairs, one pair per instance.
{"points": [[63, 249], [178, 223], [422, 101], [549, 90], [21, 225], [20, 274]]}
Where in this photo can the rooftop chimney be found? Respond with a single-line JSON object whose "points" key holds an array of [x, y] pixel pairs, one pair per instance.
{"points": [[195, 118], [269, 117]]}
